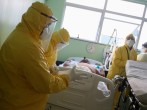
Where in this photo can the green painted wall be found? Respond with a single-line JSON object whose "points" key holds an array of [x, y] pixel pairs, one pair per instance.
{"points": [[10, 15], [57, 7], [76, 47]]}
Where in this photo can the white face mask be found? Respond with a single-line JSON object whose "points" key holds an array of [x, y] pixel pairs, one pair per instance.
{"points": [[130, 43]]}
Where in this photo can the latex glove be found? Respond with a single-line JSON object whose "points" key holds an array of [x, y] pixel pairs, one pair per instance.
{"points": [[71, 73]]}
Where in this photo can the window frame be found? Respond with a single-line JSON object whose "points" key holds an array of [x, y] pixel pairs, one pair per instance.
{"points": [[103, 12]]}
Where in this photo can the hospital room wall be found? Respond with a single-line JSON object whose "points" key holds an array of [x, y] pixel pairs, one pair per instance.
{"points": [[77, 48], [10, 15], [57, 7]]}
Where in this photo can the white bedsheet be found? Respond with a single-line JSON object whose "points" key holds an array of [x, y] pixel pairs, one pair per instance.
{"points": [[72, 61], [137, 77]]}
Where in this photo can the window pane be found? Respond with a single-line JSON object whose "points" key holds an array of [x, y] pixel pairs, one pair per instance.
{"points": [[82, 23], [123, 18], [117, 29], [125, 7], [143, 36], [90, 3], [146, 14]]}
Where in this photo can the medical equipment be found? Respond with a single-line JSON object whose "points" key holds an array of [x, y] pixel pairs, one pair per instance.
{"points": [[109, 49]]}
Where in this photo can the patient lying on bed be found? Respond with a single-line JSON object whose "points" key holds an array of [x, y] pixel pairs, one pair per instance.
{"points": [[85, 66]]}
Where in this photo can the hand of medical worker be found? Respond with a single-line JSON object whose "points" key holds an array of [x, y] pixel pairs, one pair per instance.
{"points": [[71, 73], [54, 69]]}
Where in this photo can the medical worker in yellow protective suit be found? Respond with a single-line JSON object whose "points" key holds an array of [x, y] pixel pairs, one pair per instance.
{"points": [[143, 55], [59, 40], [25, 79], [119, 59]]}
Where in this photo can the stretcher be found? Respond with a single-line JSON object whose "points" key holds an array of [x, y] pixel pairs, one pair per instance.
{"points": [[135, 83]]}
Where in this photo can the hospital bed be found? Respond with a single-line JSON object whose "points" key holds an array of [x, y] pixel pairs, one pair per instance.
{"points": [[95, 64], [84, 94]]}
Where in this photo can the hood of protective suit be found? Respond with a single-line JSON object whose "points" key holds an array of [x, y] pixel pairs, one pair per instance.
{"points": [[55, 39], [51, 54], [129, 37], [33, 21]]}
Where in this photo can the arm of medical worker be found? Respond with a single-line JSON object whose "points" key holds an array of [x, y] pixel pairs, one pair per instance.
{"points": [[118, 58], [37, 73], [71, 73], [53, 70]]}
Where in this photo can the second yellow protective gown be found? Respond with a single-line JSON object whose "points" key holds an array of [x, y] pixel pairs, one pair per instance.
{"points": [[142, 57], [56, 38]]}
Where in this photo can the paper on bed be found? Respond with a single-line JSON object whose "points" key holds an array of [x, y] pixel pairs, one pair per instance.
{"points": [[137, 77]]}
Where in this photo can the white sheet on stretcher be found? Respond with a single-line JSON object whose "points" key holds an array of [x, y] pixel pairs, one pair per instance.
{"points": [[137, 77]]}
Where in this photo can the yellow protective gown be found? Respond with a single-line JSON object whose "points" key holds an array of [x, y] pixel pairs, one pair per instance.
{"points": [[142, 57], [25, 80], [51, 53], [121, 55]]}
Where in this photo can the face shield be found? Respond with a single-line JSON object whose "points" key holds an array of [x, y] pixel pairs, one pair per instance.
{"points": [[62, 44], [47, 32]]}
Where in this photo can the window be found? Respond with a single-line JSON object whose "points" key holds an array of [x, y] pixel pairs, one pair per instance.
{"points": [[81, 23], [104, 21], [90, 3], [125, 7], [119, 27], [143, 36], [146, 14]]}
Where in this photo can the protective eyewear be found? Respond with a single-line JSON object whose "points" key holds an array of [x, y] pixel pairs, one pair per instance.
{"points": [[50, 17]]}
